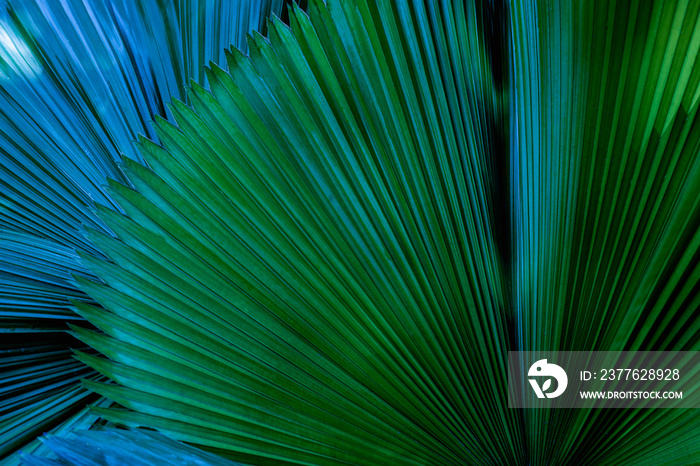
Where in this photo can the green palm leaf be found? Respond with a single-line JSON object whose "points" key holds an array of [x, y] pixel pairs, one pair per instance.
{"points": [[313, 279], [327, 257], [607, 219]]}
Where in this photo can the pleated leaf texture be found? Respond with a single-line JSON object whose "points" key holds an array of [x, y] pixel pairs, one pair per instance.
{"points": [[118, 446], [79, 80], [329, 252]]}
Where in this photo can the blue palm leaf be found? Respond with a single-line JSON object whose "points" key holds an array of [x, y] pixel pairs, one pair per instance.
{"points": [[79, 81], [123, 447]]}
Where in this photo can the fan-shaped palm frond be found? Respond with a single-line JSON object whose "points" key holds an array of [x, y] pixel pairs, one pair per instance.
{"points": [[290, 248], [330, 250], [78, 82]]}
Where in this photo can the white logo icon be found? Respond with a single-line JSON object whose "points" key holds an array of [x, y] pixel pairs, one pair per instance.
{"points": [[542, 369]]}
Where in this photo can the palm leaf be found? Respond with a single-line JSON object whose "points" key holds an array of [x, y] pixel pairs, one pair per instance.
{"points": [[137, 448], [607, 219], [318, 264], [79, 82], [321, 226], [279, 281]]}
